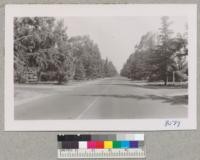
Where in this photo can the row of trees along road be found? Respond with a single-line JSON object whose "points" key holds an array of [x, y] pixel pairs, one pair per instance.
{"points": [[159, 56], [42, 46]]}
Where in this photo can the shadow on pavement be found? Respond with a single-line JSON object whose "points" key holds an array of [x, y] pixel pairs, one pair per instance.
{"points": [[115, 96], [148, 86], [173, 100]]}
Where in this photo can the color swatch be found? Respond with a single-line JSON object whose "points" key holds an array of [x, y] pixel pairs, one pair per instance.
{"points": [[101, 146], [111, 141]]}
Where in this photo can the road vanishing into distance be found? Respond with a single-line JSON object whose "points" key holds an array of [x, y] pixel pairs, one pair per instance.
{"points": [[109, 98]]}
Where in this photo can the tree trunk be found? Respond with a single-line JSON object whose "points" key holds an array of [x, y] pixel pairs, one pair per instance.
{"points": [[173, 77], [166, 79], [165, 82]]}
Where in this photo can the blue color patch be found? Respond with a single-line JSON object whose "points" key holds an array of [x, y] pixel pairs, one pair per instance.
{"points": [[125, 144]]}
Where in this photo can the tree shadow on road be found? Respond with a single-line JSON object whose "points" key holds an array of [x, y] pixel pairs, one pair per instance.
{"points": [[148, 86], [116, 96], [173, 100]]}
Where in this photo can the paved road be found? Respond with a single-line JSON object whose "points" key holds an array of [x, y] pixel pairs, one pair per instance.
{"points": [[110, 98]]}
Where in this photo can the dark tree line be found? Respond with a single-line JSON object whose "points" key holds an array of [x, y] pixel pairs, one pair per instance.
{"points": [[42, 46], [159, 57]]}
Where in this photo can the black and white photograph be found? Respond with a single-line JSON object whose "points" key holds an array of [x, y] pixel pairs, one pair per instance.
{"points": [[100, 67]]}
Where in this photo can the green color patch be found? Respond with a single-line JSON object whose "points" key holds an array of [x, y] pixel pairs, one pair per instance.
{"points": [[116, 144]]}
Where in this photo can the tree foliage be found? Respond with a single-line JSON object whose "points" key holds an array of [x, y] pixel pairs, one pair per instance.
{"points": [[158, 56], [42, 44]]}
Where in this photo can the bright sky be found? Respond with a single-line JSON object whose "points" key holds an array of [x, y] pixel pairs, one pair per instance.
{"points": [[117, 36]]}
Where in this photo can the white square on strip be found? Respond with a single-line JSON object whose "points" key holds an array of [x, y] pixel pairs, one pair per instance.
{"points": [[139, 137], [82, 144], [130, 137]]}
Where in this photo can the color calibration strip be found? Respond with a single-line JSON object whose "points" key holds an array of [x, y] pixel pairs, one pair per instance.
{"points": [[101, 146]]}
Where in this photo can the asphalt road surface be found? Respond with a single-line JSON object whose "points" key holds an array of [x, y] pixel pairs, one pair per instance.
{"points": [[109, 98]]}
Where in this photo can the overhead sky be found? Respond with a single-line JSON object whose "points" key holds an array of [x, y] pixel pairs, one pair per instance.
{"points": [[117, 36]]}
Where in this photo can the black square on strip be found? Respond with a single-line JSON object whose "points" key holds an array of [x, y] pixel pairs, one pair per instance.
{"points": [[69, 144]]}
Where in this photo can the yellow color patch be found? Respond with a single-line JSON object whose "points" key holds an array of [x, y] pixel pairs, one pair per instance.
{"points": [[108, 144]]}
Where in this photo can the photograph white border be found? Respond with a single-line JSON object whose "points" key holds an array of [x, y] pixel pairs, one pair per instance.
{"points": [[64, 10]]}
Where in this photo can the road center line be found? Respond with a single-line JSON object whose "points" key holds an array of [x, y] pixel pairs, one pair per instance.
{"points": [[92, 103], [88, 107]]}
